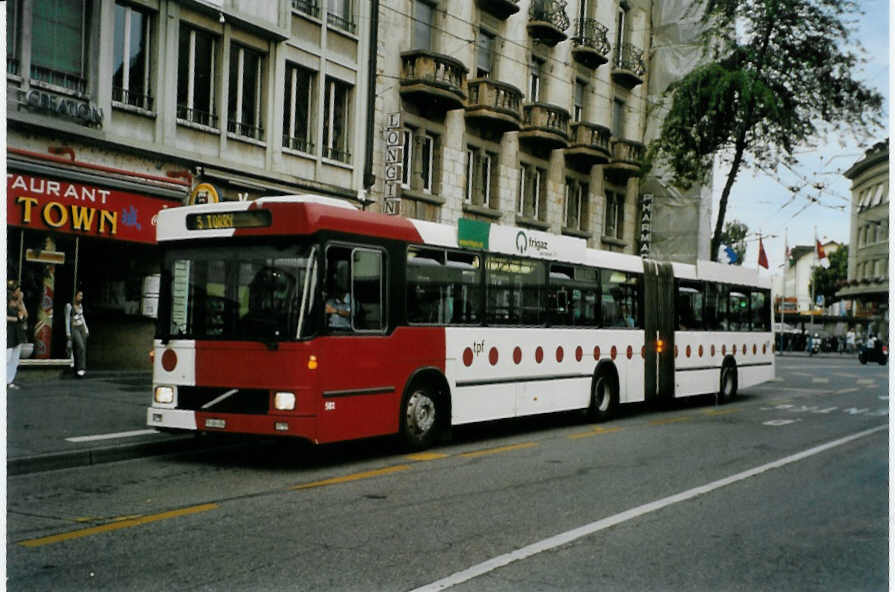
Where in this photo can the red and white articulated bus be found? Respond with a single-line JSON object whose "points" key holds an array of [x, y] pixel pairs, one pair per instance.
{"points": [[304, 316]]}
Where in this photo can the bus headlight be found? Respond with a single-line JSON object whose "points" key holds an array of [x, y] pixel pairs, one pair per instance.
{"points": [[164, 395], [284, 401]]}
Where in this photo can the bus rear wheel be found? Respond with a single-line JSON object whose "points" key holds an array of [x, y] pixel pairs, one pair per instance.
{"points": [[420, 417], [603, 399], [728, 390]]}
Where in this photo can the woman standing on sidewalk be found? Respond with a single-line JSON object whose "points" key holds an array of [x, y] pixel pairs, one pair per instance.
{"points": [[16, 321], [76, 332]]}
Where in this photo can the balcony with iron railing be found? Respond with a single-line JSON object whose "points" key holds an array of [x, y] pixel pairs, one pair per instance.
{"points": [[433, 80], [245, 130], [545, 125], [344, 22], [495, 103], [337, 154], [590, 45], [628, 65], [65, 80], [626, 158], [589, 145], [121, 96], [502, 9], [308, 7], [547, 21], [203, 118], [300, 144]]}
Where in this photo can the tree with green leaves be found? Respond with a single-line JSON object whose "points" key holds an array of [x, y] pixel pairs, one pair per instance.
{"points": [[734, 235], [779, 73], [825, 281]]}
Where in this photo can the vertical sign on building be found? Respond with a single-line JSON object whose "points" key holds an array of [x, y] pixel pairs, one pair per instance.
{"points": [[394, 159], [646, 230]]}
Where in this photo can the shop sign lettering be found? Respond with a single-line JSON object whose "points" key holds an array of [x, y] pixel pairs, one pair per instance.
{"points": [[46, 204], [37, 100]]}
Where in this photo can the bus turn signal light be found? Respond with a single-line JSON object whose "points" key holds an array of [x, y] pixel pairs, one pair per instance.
{"points": [[312, 362], [660, 346]]}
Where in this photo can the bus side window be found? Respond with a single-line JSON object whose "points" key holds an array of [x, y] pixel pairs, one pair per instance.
{"points": [[715, 307], [463, 293], [738, 313], [620, 306], [367, 290], [427, 286], [689, 306], [760, 310]]}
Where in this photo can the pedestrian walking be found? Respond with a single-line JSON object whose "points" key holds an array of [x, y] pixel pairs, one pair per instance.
{"points": [[76, 332], [16, 328], [850, 341]]}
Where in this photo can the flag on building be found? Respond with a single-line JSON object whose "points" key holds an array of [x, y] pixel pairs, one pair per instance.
{"points": [[727, 255], [762, 256], [822, 258]]}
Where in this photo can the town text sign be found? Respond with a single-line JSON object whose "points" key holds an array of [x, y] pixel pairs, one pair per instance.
{"points": [[86, 210]]}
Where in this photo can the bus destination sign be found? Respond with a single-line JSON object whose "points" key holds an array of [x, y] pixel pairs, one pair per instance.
{"points": [[223, 220]]}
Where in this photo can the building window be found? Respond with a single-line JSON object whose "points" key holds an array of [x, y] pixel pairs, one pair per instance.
{"points": [[618, 118], [244, 100], [130, 77], [419, 151], [534, 81], [339, 15], [576, 205], [613, 225], [59, 44], [297, 109], [481, 177], [484, 55], [620, 36], [423, 20], [196, 77], [578, 107], [13, 12], [335, 120], [532, 192]]}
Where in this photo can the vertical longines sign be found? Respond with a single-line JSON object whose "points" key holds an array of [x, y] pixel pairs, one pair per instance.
{"points": [[394, 159]]}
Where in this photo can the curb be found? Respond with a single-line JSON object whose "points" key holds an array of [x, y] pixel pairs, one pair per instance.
{"points": [[174, 445]]}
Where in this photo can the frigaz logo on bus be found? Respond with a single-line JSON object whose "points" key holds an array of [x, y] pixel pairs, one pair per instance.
{"points": [[523, 242]]}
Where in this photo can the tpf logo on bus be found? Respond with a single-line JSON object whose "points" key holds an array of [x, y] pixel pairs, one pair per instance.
{"points": [[523, 242]]}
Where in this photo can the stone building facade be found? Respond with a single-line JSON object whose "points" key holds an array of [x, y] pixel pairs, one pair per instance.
{"points": [[519, 112], [868, 256], [119, 108]]}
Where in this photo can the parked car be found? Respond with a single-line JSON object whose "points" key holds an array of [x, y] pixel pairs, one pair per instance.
{"points": [[874, 351]]}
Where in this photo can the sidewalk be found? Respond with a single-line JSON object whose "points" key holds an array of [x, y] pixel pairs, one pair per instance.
{"points": [[44, 412]]}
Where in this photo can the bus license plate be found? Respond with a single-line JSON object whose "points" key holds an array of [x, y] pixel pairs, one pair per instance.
{"points": [[216, 423]]}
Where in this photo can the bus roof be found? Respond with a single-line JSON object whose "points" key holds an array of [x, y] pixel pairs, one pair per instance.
{"points": [[307, 214]]}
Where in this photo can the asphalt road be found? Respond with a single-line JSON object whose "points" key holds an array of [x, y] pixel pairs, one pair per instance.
{"points": [[784, 489]]}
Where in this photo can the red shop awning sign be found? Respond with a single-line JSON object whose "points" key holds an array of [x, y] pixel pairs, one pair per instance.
{"points": [[86, 210]]}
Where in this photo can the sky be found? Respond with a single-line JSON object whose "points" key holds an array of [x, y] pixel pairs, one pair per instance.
{"points": [[760, 200]]}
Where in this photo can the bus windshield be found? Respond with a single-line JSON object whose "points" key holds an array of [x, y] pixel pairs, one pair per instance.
{"points": [[245, 292]]}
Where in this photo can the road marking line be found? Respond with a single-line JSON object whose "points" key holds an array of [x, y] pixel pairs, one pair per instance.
{"points": [[498, 450], [820, 380], [596, 431], [866, 381], [658, 422], [589, 529], [354, 477], [847, 390], [128, 523], [720, 411], [111, 436], [423, 456]]}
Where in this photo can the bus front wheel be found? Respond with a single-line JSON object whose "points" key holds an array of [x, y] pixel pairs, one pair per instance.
{"points": [[420, 417], [603, 400]]}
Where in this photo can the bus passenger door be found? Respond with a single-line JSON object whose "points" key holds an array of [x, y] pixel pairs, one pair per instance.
{"points": [[659, 321]]}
